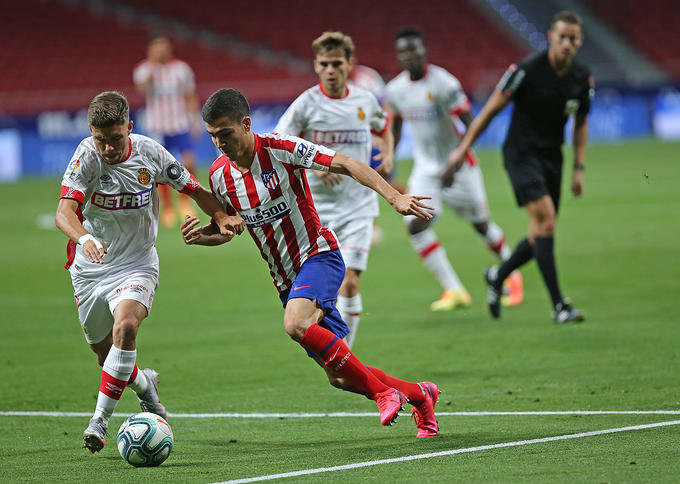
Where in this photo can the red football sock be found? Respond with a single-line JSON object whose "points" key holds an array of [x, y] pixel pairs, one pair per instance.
{"points": [[338, 357], [135, 370], [412, 391]]}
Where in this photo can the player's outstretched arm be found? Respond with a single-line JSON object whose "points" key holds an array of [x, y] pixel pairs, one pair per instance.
{"points": [[210, 234], [228, 225], [68, 222], [402, 203], [493, 106], [386, 155]]}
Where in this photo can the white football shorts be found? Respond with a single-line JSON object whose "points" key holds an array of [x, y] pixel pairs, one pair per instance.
{"points": [[355, 241], [466, 196], [97, 298]]}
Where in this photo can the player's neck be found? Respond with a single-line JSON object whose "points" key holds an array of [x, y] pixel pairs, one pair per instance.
{"points": [[559, 66], [417, 75], [245, 160]]}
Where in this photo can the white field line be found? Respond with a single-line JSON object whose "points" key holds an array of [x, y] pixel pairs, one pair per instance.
{"points": [[350, 414], [448, 452]]}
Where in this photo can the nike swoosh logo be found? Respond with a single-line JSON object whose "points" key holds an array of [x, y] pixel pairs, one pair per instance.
{"points": [[299, 287], [333, 357]]}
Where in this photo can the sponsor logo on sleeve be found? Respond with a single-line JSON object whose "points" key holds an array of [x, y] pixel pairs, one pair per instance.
{"points": [[270, 179], [72, 167], [122, 201], [306, 154], [143, 176]]}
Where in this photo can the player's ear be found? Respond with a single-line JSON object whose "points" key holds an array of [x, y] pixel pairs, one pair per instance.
{"points": [[130, 124], [352, 62], [246, 123]]}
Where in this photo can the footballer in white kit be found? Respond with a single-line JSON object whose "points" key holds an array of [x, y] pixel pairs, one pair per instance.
{"points": [[109, 210], [433, 102], [343, 117]]}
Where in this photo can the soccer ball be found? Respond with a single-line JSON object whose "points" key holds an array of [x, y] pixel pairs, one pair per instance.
{"points": [[145, 440]]}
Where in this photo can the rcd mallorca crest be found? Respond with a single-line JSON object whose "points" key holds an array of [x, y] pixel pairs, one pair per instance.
{"points": [[270, 179], [144, 176]]}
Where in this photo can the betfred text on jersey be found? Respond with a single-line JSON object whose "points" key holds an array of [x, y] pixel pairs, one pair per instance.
{"points": [[341, 136], [122, 201]]}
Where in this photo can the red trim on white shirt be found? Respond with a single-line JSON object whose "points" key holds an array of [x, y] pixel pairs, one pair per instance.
{"points": [[382, 131], [331, 97], [463, 108], [72, 193], [129, 150]]}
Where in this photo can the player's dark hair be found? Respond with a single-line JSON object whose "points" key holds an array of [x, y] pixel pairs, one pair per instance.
{"points": [[158, 34], [568, 17], [225, 102], [333, 40], [107, 109], [408, 32]]}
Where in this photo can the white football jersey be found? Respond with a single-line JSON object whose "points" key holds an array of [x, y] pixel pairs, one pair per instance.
{"points": [[166, 108], [369, 79], [119, 203], [343, 125], [428, 104]]}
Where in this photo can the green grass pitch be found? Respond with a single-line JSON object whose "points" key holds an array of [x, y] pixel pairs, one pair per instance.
{"points": [[215, 335]]}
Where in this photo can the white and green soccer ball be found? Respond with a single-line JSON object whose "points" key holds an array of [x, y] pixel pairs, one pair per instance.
{"points": [[145, 440]]}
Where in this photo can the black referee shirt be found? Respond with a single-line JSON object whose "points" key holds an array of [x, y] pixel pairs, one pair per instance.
{"points": [[544, 101]]}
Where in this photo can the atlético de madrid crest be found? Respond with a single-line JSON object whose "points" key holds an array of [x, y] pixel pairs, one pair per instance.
{"points": [[144, 177], [270, 179]]}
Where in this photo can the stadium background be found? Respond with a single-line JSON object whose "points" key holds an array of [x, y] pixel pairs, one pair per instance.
{"points": [[57, 54]]}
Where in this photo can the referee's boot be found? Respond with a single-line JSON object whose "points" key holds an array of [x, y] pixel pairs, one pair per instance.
{"points": [[494, 291], [564, 312]]}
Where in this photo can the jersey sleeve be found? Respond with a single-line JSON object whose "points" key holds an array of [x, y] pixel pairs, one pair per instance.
{"points": [[141, 73], [293, 121], [512, 79], [587, 97], [389, 97], [454, 98], [189, 79], [171, 171], [300, 152], [379, 121], [78, 175]]}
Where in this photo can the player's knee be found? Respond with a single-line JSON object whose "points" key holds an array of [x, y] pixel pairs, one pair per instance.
{"points": [[294, 327], [350, 285], [416, 225], [125, 331]]}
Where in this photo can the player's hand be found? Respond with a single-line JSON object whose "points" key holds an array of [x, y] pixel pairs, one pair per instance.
{"points": [[190, 232], [229, 225], [387, 165], [93, 253], [577, 183], [412, 205], [456, 159], [329, 179]]}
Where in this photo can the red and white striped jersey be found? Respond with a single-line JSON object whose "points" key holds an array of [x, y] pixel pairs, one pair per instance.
{"points": [[119, 203], [166, 108], [274, 200], [428, 105]]}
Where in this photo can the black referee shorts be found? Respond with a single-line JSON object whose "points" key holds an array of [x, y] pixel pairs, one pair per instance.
{"points": [[534, 173]]}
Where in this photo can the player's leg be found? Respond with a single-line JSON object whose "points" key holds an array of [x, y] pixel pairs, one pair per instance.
{"points": [[426, 244], [311, 319], [467, 197], [167, 209], [355, 239]]}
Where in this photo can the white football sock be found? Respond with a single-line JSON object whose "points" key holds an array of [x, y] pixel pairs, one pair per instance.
{"points": [[495, 239], [140, 383], [116, 372], [434, 256], [350, 309]]}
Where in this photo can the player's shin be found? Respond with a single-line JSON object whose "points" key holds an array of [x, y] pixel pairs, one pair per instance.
{"points": [[350, 309], [427, 245], [116, 372], [495, 240], [340, 359]]}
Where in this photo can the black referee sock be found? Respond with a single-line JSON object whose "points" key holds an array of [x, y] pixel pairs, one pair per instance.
{"points": [[522, 254], [545, 258]]}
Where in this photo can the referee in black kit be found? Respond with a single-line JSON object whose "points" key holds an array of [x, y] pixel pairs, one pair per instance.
{"points": [[547, 88]]}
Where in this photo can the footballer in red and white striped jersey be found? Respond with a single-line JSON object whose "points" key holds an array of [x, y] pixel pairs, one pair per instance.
{"points": [[119, 202], [167, 112], [344, 125], [274, 200], [428, 104]]}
